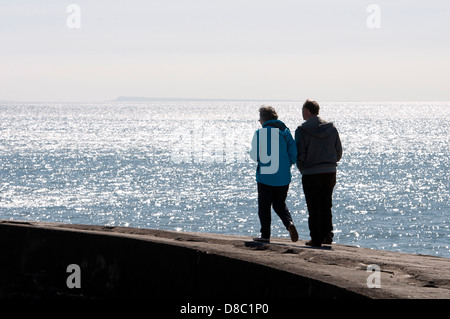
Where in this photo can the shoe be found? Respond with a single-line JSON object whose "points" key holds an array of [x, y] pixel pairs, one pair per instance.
{"points": [[313, 244], [293, 232], [261, 239], [328, 240]]}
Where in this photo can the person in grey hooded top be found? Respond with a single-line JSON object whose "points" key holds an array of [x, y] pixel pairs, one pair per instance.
{"points": [[318, 151]]}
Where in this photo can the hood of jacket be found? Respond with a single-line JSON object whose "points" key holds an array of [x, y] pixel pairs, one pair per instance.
{"points": [[317, 127], [275, 123]]}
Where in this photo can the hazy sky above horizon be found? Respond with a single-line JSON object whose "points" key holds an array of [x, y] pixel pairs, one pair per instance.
{"points": [[245, 49]]}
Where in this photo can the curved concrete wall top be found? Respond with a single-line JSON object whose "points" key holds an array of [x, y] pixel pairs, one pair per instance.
{"points": [[34, 262], [136, 263]]}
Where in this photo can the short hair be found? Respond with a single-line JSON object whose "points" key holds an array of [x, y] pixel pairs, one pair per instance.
{"points": [[312, 106], [267, 113]]}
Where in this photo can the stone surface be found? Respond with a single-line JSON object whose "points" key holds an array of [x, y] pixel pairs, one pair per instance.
{"points": [[202, 265]]}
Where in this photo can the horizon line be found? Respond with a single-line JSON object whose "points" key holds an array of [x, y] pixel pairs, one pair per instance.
{"points": [[187, 99]]}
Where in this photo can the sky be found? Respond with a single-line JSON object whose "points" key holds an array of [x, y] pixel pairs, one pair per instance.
{"points": [[327, 50]]}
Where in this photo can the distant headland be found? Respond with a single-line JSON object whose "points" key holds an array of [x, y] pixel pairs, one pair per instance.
{"points": [[159, 99]]}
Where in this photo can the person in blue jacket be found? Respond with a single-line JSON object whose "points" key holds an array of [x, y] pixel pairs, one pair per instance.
{"points": [[275, 151]]}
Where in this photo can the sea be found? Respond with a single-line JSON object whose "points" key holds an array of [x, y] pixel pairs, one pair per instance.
{"points": [[184, 166]]}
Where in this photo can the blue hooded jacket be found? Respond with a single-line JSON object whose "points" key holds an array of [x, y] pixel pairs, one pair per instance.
{"points": [[274, 170]]}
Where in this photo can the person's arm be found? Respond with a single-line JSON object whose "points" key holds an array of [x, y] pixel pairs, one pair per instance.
{"points": [[301, 148], [254, 149], [338, 146], [291, 148]]}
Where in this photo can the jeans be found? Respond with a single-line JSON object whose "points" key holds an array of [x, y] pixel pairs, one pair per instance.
{"points": [[318, 189], [269, 196]]}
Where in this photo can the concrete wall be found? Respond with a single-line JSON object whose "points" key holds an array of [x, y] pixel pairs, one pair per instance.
{"points": [[34, 260]]}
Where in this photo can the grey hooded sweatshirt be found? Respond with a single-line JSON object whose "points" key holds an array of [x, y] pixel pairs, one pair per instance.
{"points": [[318, 146]]}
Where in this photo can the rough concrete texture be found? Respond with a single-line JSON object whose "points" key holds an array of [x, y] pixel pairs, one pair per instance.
{"points": [[133, 262]]}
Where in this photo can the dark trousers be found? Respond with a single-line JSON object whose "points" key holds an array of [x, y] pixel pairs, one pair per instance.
{"points": [[318, 189], [269, 196]]}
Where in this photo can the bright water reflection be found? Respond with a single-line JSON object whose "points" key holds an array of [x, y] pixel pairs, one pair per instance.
{"points": [[113, 164]]}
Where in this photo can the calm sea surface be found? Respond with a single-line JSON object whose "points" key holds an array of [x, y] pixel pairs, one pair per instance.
{"points": [[184, 166]]}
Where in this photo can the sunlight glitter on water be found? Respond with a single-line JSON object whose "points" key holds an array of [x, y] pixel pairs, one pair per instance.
{"points": [[113, 164]]}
